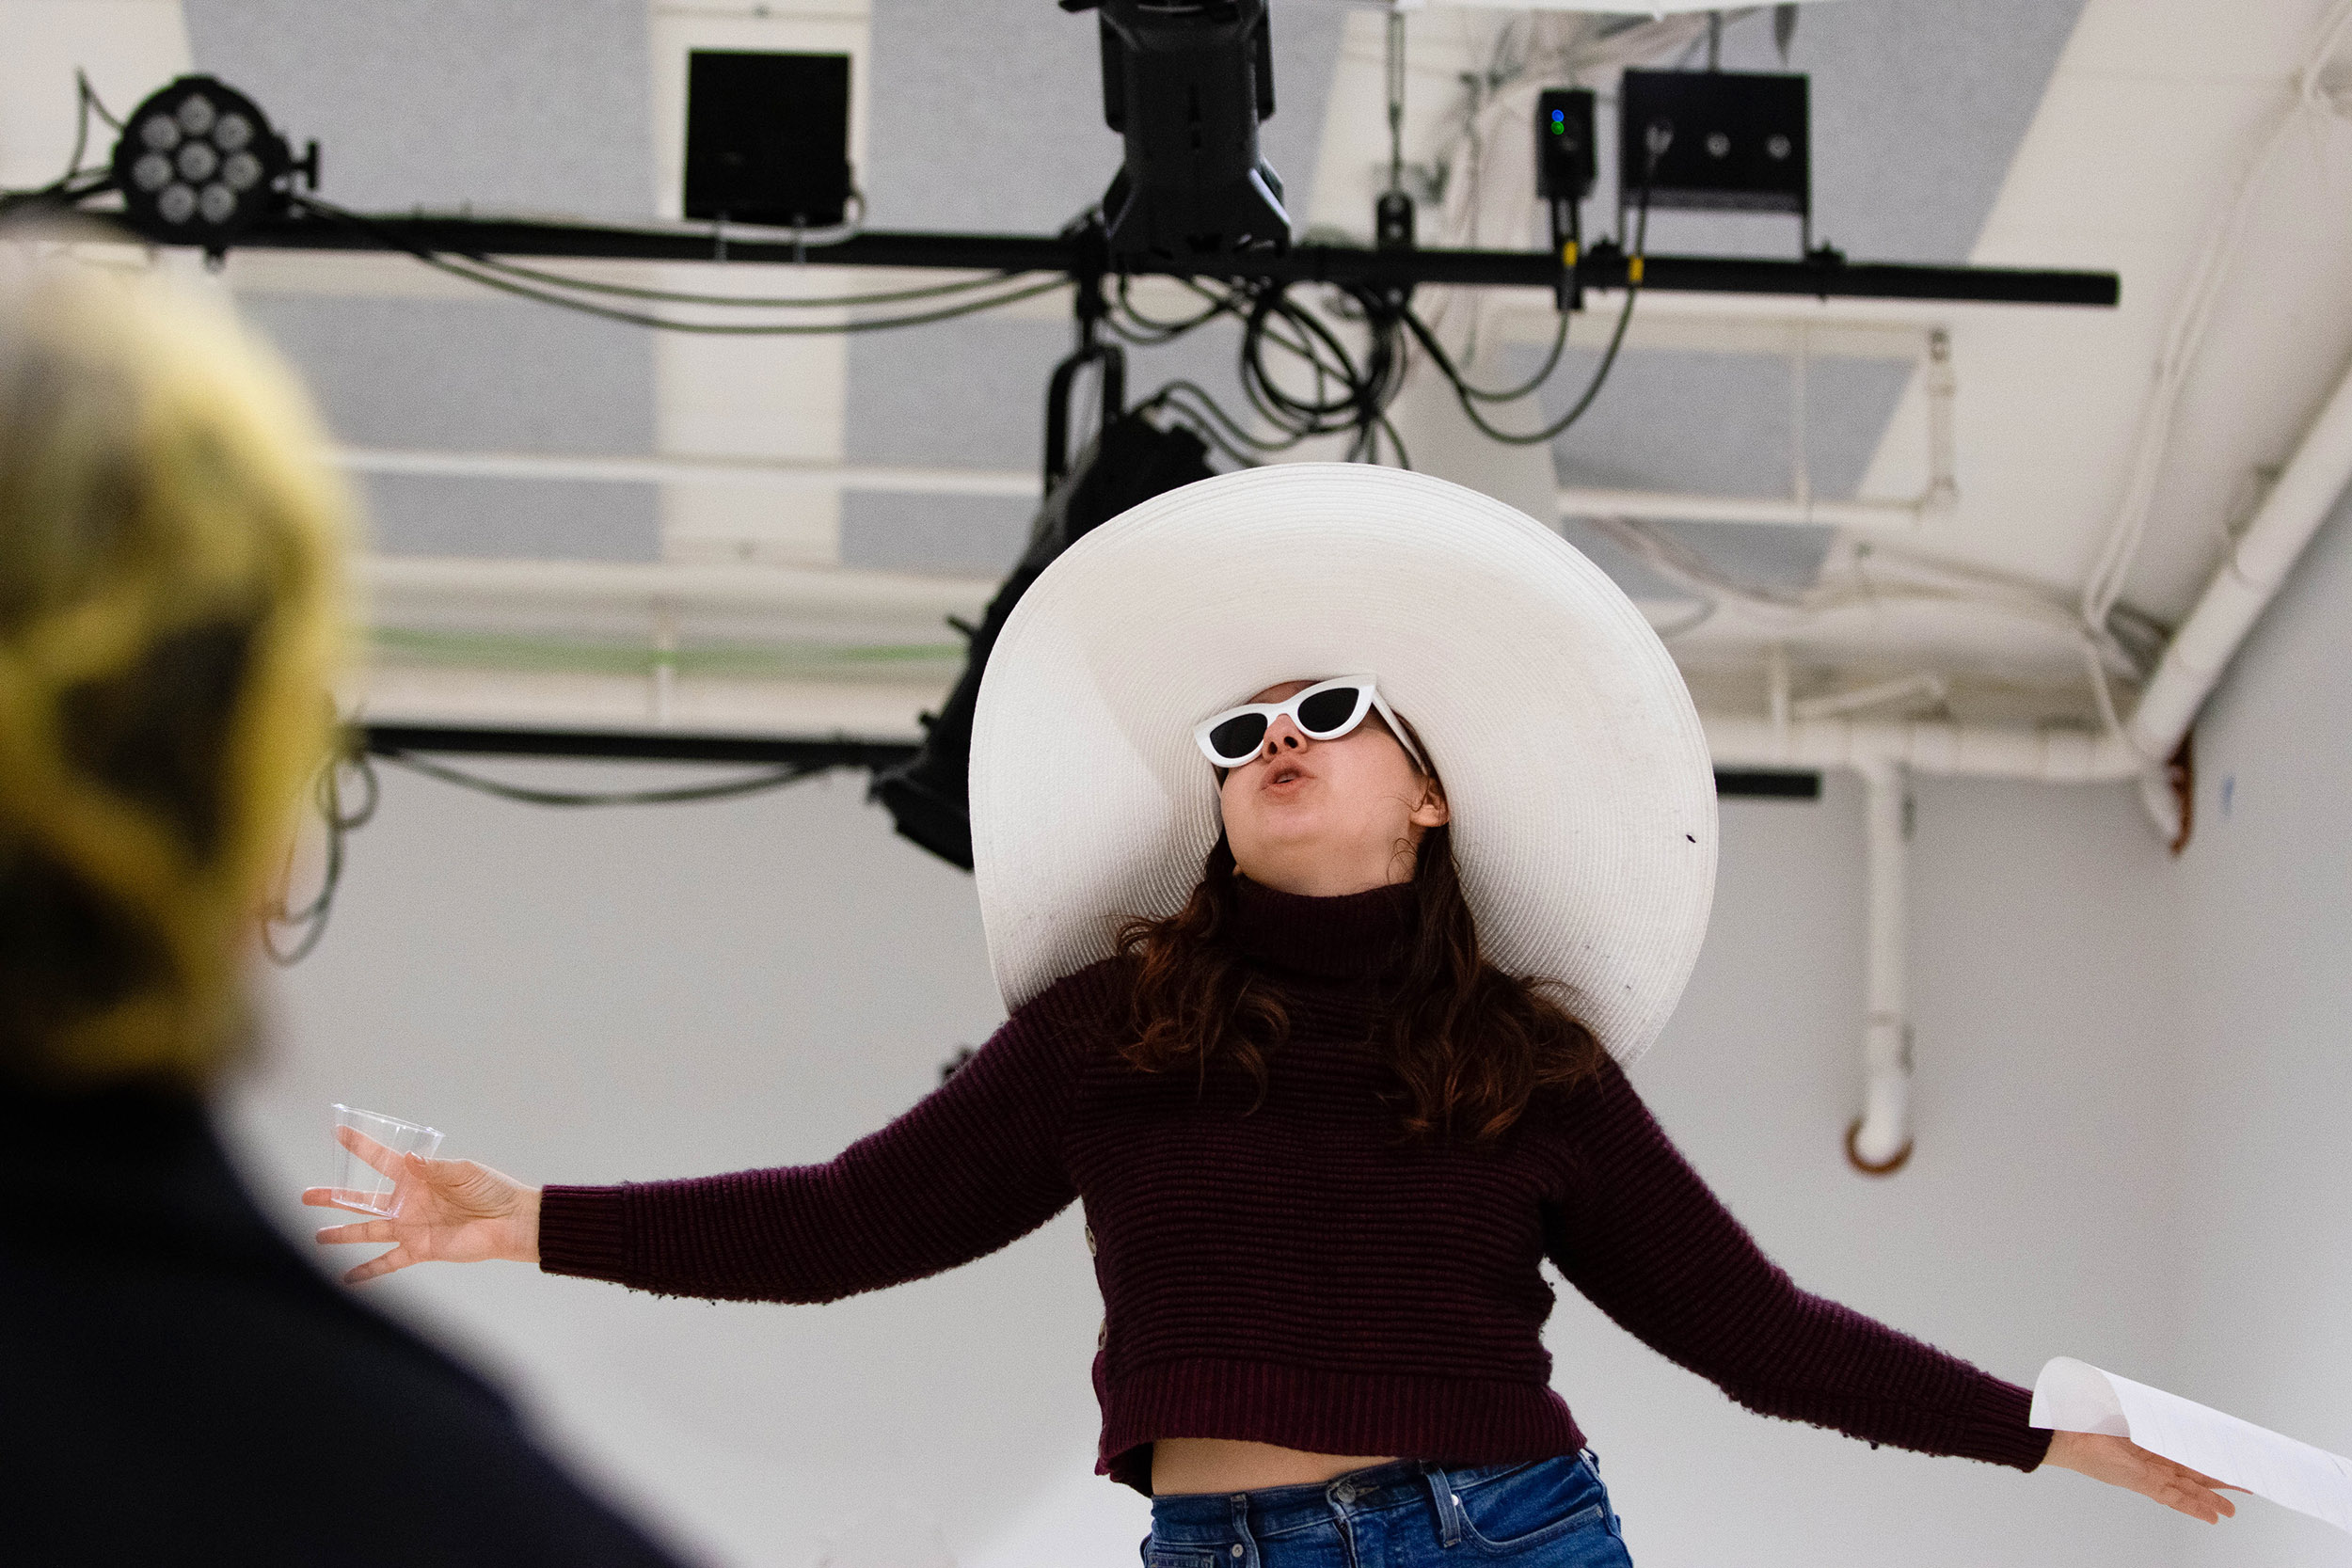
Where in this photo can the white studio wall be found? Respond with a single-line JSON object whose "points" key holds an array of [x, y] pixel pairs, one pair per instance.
{"points": [[2032, 1217], [2265, 991], [665, 991], [669, 991]]}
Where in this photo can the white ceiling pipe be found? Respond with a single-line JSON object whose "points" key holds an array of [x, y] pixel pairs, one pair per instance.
{"points": [[769, 473], [1776, 511], [1925, 746], [1885, 754], [1879, 1141], [2245, 581], [839, 593]]}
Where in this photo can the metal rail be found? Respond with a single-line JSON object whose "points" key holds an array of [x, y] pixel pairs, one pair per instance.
{"points": [[1822, 272], [833, 752]]}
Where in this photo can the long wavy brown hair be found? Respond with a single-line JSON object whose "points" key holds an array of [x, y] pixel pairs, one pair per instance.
{"points": [[1466, 1044]]}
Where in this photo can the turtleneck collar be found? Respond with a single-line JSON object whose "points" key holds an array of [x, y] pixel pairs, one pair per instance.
{"points": [[1356, 936]]}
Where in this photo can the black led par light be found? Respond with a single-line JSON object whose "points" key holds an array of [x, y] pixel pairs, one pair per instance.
{"points": [[1735, 141], [768, 137], [198, 162]]}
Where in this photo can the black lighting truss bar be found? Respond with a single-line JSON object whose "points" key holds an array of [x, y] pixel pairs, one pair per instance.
{"points": [[1822, 272], [836, 752], [638, 746]]}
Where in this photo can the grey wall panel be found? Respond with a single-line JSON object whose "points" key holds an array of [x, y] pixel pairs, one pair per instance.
{"points": [[483, 374], [534, 519], [501, 102], [1719, 423], [961, 535], [973, 393]]}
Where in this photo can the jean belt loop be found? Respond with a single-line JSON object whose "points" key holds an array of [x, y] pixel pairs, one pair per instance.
{"points": [[1449, 1507], [1245, 1552]]}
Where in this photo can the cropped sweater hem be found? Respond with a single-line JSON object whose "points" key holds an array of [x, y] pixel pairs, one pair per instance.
{"points": [[1996, 1430], [584, 1231], [1464, 1420]]}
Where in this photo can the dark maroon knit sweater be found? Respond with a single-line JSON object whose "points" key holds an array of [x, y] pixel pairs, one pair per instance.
{"points": [[1293, 1274]]}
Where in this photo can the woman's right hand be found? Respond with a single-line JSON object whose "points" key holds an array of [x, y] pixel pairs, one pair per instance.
{"points": [[452, 1210]]}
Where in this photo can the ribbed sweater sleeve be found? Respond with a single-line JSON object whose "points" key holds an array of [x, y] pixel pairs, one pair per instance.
{"points": [[972, 1166], [1643, 1237]]}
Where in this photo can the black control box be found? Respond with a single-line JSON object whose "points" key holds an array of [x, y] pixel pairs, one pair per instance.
{"points": [[1735, 140], [1565, 165], [768, 137]]}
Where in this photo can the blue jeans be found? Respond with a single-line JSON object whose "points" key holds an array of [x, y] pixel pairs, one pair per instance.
{"points": [[1409, 1513]]}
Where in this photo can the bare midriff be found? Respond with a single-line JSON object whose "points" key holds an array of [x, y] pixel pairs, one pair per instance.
{"points": [[1181, 1465]]}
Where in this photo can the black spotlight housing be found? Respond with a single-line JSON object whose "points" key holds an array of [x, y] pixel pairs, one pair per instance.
{"points": [[1187, 83], [1132, 460], [198, 162]]}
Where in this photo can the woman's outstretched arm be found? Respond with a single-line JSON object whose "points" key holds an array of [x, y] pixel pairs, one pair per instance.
{"points": [[1640, 1234], [972, 1166]]}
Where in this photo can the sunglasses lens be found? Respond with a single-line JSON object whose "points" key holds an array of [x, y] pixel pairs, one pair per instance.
{"points": [[1238, 736], [1322, 714]]}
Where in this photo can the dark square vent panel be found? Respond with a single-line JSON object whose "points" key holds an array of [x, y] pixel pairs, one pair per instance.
{"points": [[1738, 140], [768, 137]]}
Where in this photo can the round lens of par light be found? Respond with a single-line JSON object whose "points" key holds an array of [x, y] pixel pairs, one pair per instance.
{"points": [[241, 170], [233, 132], [160, 132], [177, 205], [152, 172], [197, 161], [197, 115], [219, 204]]}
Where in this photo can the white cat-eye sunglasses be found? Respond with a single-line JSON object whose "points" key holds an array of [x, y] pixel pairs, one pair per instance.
{"points": [[1323, 712]]}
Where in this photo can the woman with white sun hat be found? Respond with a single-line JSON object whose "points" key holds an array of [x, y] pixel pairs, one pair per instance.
{"points": [[1341, 833]]}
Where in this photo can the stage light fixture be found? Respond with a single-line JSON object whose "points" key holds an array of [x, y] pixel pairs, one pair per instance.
{"points": [[198, 162], [1187, 83], [928, 796]]}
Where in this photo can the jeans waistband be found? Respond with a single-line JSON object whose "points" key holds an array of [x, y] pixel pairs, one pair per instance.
{"points": [[1273, 1511]]}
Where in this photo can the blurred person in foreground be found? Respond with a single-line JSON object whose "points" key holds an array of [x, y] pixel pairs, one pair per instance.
{"points": [[177, 1384]]}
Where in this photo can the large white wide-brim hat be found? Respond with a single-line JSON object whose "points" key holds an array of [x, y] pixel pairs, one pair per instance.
{"points": [[1583, 800]]}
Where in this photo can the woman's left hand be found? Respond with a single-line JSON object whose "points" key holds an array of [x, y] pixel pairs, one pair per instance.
{"points": [[2120, 1461]]}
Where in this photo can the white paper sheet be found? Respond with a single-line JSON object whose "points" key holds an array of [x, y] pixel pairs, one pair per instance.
{"points": [[2075, 1396]]}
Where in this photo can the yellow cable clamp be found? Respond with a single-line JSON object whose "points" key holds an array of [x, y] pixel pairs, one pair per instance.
{"points": [[1634, 270]]}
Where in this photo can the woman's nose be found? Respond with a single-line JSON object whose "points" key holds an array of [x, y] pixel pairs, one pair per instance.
{"points": [[1281, 736]]}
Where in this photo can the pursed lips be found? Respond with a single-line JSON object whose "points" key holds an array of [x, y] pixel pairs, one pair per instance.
{"points": [[1284, 773]]}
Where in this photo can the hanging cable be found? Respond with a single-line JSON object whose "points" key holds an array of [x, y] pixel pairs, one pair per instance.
{"points": [[1396, 98], [725, 789], [86, 101], [471, 271], [1658, 138], [673, 297], [307, 924], [289, 935]]}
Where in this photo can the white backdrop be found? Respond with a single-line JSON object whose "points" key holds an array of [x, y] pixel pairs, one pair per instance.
{"points": [[2130, 1094]]}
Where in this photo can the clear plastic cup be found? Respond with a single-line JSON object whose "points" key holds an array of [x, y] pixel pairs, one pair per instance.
{"points": [[364, 1187]]}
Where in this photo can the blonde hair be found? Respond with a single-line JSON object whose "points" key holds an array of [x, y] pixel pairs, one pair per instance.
{"points": [[170, 584]]}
